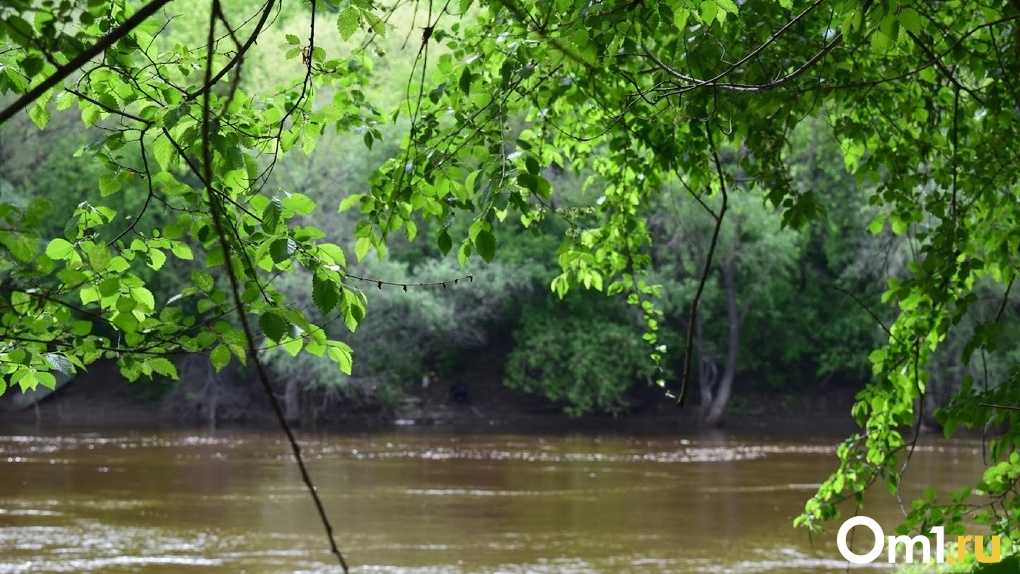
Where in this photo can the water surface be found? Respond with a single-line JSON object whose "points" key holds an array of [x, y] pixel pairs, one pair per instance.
{"points": [[429, 502]]}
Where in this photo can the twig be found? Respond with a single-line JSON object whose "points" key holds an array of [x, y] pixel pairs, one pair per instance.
{"points": [[379, 282], [1007, 407], [211, 81]]}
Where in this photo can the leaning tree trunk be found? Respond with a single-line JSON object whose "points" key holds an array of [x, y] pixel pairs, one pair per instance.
{"points": [[714, 414]]}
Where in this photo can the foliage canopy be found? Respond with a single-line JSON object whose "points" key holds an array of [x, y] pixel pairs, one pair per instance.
{"points": [[637, 95]]}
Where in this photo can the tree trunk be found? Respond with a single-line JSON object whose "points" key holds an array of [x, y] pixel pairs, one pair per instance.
{"points": [[707, 371], [714, 416], [212, 397], [292, 402]]}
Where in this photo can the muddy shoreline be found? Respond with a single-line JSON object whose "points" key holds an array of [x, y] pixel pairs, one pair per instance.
{"points": [[113, 404]]}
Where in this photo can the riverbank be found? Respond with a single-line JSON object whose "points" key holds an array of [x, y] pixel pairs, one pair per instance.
{"points": [[102, 399]]}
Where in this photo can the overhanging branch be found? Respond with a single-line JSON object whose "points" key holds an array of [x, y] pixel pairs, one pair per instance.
{"points": [[80, 60]]}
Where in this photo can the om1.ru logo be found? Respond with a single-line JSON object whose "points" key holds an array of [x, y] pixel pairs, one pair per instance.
{"points": [[909, 544]]}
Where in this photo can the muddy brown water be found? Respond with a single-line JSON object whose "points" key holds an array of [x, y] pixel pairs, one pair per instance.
{"points": [[419, 502]]}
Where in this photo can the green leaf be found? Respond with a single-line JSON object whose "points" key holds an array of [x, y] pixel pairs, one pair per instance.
{"points": [[220, 357], [532, 164], [98, 253], [32, 65], [126, 304], [23, 247], [182, 251], [727, 6], [353, 311], [361, 247], [81, 328], [143, 296], [60, 363], [40, 114], [708, 12], [109, 183], [528, 181], [444, 241], [271, 215], [880, 42], [910, 20], [273, 325], [293, 346], [46, 379], [203, 281], [156, 259], [125, 321], [485, 243], [347, 22], [464, 253], [282, 248], [164, 151], [299, 203], [342, 356], [349, 201], [59, 249], [334, 252], [324, 294], [163, 366]]}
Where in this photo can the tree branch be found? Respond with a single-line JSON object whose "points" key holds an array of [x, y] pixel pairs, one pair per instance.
{"points": [[78, 62], [689, 351], [211, 81], [217, 216]]}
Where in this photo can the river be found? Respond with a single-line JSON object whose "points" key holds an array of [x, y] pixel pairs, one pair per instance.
{"points": [[429, 502]]}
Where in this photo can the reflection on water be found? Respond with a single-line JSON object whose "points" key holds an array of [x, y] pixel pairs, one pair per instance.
{"points": [[428, 503]]}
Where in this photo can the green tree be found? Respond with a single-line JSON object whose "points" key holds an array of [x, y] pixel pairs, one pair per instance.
{"points": [[750, 273], [584, 353], [922, 98]]}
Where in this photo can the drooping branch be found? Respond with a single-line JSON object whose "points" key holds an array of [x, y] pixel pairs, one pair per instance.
{"points": [[216, 209]]}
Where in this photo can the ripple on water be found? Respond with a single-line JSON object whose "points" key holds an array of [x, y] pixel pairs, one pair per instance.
{"points": [[22, 445], [36, 449], [98, 564], [28, 512], [681, 455]]}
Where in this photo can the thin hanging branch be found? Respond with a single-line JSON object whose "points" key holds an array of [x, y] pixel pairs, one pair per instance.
{"points": [[217, 216], [689, 351]]}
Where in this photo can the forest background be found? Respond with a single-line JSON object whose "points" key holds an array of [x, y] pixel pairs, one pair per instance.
{"points": [[786, 311]]}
